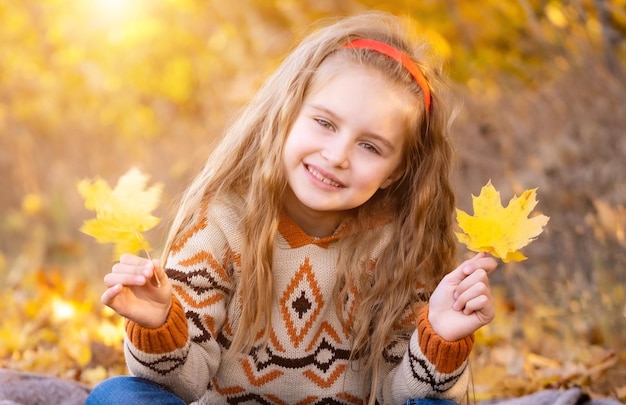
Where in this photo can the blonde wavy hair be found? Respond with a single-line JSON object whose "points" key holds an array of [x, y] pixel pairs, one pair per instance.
{"points": [[248, 161]]}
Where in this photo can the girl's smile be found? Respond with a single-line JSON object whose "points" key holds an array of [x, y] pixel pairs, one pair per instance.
{"points": [[326, 178], [345, 144]]}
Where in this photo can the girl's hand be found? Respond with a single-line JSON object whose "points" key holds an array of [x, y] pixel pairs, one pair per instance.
{"points": [[462, 301], [131, 294]]}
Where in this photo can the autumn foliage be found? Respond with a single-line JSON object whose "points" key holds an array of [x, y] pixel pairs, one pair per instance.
{"points": [[89, 89], [500, 231], [122, 214]]}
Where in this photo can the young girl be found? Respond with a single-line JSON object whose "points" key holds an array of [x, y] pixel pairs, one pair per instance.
{"points": [[306, 262]]}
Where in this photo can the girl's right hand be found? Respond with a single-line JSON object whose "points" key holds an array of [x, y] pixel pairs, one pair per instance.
{"points": [[131, 293]]}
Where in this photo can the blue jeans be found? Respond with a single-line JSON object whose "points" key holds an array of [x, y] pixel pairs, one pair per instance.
{"points": [[139, 391], [131, 390]]}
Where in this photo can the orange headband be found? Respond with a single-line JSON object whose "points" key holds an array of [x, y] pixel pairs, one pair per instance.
{"points": [[398, 55]]}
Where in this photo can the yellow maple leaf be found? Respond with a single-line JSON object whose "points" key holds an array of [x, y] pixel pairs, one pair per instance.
{"points": [[122, 214], [500, 231]]}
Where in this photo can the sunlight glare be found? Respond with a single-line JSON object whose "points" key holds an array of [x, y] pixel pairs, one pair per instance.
{"points": [[112, 6], [117, 11], [62, 310]]}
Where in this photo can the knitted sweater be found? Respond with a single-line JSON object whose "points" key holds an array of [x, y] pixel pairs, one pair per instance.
{"points": [[306, 359]]}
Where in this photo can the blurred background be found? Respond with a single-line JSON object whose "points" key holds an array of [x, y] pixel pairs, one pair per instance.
{"points": [[94, 87]]}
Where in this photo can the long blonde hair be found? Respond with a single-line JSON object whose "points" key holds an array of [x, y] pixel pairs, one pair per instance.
{"points": [[248, 161]]}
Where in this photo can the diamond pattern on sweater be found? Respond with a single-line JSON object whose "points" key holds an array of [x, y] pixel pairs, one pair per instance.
{"points": [[326, 355], [203, 281], [330, 363], [301, 303]]}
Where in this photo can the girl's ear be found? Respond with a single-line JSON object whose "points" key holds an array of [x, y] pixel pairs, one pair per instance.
{"points": [[393, 177]]}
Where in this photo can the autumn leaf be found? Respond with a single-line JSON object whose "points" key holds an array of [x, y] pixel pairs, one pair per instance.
{"points": [[122, 214], [500, 231]]}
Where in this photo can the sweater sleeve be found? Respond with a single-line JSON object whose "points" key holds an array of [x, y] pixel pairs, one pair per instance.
{"points": [[184, 354], [431, 367], [172, 335], [446, 356]]}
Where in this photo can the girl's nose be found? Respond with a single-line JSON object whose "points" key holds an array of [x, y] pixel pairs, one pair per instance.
{"points": [[336, 154]]}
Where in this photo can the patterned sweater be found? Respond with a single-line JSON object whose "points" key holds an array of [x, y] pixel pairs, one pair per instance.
{"points": [[306, 359]]}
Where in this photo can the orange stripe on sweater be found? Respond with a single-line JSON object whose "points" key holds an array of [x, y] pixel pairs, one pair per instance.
{"points": [[210, 300], [325, 383], [325, 327], [262, 380]]}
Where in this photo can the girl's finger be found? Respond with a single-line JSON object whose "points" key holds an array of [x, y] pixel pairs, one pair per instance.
{"points": [[477, 289], [482, 308], [478, 276], [479, 261], [124, 268], [478, 304], [128, 279], [487, 263], [110, 293], [133, 260]]}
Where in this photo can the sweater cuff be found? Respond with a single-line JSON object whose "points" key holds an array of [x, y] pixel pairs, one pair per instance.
{"points": [[447, 356], [172, 335]]}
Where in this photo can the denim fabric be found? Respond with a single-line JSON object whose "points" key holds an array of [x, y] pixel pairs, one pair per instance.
{"points": [[139, 391], [131, 390]]}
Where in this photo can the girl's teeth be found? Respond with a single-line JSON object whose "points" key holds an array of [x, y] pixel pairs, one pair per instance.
{"points": [[321, 178]]}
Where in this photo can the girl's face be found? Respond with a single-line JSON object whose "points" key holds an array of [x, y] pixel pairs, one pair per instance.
{"points": [[345, 144]]}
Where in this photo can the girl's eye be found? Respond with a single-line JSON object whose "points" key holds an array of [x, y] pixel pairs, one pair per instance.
{"points": [[324, 123], [370, 148]]}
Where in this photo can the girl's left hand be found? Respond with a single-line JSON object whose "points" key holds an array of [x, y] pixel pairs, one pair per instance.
{"points": [[462, 302]]}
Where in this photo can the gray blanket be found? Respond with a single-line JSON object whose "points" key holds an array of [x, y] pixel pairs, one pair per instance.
{"points": [[573, 396], [18, 388]]}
